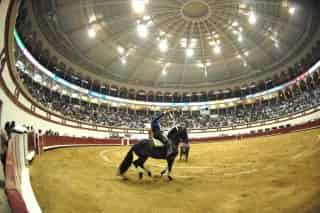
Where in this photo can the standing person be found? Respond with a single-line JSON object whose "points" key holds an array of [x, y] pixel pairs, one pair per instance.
{"points": [[4, 140], [11, 128], [184, 151]]}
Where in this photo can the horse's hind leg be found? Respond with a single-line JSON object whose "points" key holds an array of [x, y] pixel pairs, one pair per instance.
{"points": [[145, 169], [139, 166], [163, 172], [187, 155], [170, 162]]}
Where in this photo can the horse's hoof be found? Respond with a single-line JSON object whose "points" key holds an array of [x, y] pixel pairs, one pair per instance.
{"points": [[170, 178], [150, 174], [140, 176], [162, 173], [123, 177]]}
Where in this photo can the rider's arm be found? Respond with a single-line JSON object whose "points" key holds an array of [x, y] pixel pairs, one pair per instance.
{"points": [[158, 118]]}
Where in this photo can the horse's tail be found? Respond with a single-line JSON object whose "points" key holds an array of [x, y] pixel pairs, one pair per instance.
{"points": [[126, 163]]}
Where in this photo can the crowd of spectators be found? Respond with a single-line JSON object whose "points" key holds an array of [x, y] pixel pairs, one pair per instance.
{"points": [[50, 132], [107, 115]]}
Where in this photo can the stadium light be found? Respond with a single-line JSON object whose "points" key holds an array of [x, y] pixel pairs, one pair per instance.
{"points": [[164, 72], [120, 50], [123, 61], [138, 6], [142, 30], [91, 32], [235, 24], [163, 45], [201, 65], [189, 52], [165, 69], [292, 10], [217, 49], [252, 18]]}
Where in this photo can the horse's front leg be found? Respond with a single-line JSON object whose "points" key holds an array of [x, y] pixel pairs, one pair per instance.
{"points": [[164, 171], [140, 167], [187, 155], [147, 171], [170, 162]]}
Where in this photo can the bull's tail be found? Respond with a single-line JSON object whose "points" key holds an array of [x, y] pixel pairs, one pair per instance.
{"points": [[126, 163]]}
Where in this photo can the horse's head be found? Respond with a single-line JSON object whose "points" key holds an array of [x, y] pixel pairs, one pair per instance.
{"points": [[183, 134], [178, 133]]}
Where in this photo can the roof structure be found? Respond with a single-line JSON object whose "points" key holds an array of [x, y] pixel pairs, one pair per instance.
{"points": [[178, 43]]}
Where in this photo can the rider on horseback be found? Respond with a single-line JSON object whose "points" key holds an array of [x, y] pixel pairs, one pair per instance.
{"points": [[158, 134]]}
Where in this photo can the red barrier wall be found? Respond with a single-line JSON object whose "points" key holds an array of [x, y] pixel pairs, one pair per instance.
{"points": [[16, 202], [31, 142], [49, 141], [15, 199]]}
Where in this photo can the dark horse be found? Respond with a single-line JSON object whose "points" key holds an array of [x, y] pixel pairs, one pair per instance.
{"points": [[145, 149]]}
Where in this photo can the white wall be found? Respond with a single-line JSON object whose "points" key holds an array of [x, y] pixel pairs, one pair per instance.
{"points": [[3, 8], [3, 11]]}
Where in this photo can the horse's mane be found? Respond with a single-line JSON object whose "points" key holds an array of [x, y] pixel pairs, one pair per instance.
{"points": [[173, 132], [178, 132], [183, 133]]}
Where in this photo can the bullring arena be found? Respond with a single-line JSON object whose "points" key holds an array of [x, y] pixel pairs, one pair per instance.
{"points": [[230, 176], [90, 89]]}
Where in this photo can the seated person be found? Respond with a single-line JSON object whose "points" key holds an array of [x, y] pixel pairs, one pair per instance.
{"points": [[156, 129], [158, 134]]}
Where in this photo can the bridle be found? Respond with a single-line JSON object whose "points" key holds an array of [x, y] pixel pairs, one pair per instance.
{"points": [[174, 126]]}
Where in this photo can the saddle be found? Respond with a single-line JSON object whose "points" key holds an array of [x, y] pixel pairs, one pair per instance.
{"points": [[157, 143]]}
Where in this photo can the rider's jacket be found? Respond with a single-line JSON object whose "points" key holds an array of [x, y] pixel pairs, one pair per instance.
{"points": [[155, 124]]}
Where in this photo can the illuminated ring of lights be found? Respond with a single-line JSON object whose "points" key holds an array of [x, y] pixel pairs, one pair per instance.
{"points": [[196, 19]]}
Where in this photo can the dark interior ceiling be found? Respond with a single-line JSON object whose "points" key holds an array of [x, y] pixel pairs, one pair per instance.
{"points": [[174, 43]]}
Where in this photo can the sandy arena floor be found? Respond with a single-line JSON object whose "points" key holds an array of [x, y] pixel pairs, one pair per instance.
{"points": [[268, 174]]}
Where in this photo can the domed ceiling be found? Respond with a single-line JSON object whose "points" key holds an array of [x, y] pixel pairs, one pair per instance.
{"points": [[177, 43]]}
